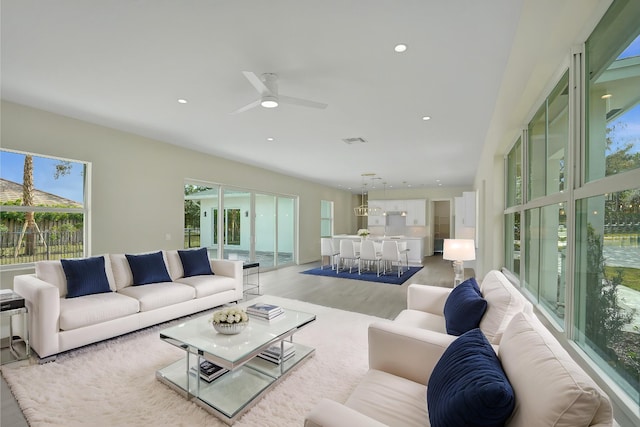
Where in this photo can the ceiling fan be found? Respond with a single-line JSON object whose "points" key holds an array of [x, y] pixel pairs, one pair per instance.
{"points": [[267, 87]]}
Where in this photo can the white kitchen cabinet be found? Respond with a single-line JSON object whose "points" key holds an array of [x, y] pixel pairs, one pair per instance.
{"points": [[469, 201], [396, 205], [377, 220], [416, 212], [465, 215]]}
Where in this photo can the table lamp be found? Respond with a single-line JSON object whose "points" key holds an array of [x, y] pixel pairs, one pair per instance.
{"points": [[458, 251]]}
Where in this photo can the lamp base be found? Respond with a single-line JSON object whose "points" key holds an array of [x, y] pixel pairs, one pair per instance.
{"points": [[458, 272]]}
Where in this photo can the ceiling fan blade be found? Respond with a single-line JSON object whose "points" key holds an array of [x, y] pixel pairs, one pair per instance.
{"points": [[301, 102], [257, 83], [247, 107]]}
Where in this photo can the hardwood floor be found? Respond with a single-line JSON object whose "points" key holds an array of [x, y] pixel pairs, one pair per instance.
{"points": [[376, 299]]}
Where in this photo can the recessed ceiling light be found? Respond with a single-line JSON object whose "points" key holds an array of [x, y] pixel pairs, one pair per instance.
{"points": [[182, 101], [425, 118], [270, 139], [400, 48]]}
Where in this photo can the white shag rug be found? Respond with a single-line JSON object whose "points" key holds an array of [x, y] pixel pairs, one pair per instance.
{"points": [[113, 383]]}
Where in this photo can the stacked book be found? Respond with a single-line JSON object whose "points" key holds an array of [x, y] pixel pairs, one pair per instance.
{"points": [[9, 300], [265, 311], [209, 371], [277, 354]]}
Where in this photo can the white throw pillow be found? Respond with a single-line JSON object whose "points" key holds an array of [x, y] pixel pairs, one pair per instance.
{"points": [[550, 388], [503, 302], [52, 273]]}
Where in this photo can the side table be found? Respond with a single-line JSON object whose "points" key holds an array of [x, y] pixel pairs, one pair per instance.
{"points": [[13, 311], [251, 269]]}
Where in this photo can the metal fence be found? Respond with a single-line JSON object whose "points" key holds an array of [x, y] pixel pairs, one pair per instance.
{"points": [[191, 237], [39, 246]]}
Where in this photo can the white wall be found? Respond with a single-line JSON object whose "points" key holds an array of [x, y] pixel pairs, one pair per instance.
{"points": [[138, 183]]}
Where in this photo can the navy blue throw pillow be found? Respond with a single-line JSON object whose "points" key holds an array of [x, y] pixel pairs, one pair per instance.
{"points": [[148, 268], [464, 308], [468, 386], [195, 262], [85, 276]]}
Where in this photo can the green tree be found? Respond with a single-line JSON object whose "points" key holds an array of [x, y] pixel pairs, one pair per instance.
{"points": [[192, 207], [30, 226], [622, 159], [605, 318]]}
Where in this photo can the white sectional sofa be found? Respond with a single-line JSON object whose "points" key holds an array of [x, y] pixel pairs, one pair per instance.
{"points": [[413, 353], [58, 323], [425, 306]]}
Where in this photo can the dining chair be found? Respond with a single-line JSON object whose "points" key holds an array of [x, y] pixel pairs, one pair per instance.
{"points": [[404, 251], [327, 249], [369, 255], [390, 255], [347, 253]]}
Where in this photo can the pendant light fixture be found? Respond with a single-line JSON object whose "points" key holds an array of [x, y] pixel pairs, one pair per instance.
{"points": [[364, 209]]}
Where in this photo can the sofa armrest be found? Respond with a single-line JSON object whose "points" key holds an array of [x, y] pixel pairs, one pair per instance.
{"points": [[229, 268], [330, 413], [43, 303], [427, 298], [406, 351]]}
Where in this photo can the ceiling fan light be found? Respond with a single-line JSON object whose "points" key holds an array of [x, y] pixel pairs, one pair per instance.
{"points": [[269, 101]]}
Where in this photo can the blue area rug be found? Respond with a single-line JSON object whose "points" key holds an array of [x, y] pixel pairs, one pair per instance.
{"points": [[391, 277]]}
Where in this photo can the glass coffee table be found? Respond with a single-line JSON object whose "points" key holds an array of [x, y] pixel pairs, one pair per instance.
{"points": [[249, 377]]}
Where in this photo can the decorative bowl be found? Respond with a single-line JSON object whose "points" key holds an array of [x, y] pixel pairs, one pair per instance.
{"points": [[229, 328]]}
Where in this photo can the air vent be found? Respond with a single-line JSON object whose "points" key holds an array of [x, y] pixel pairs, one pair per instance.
{"points": [[352, 141]]}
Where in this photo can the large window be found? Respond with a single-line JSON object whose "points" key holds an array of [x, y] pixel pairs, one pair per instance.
{"points": [[581, 224], [514, 175], [545, 262], [512, 242], [42, 208], [608, 283], [326, 218], [548, 143], [613, 96]]}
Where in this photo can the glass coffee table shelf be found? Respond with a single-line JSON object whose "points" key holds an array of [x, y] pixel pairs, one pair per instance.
{"points": [[249, 377]]}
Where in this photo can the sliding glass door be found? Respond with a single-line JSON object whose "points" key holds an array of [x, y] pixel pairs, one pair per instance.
{"points": [[240, 224], [236, 225]]}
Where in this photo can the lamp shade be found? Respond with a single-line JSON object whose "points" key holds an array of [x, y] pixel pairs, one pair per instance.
{"points": [[459, 249]]}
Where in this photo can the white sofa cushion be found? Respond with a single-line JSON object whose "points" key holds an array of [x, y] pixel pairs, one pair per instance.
{"points": [[206, 285], [503, 302], [53, 273], [420, 319], [174, 264], [390, 399], [156, 295], [93, 309], [550, 387]]}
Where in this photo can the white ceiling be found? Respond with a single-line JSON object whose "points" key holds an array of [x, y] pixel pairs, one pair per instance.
{"points": [[125, 63]]}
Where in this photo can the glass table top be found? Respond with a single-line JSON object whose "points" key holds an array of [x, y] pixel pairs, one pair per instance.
{"points": [[233, 350]]}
